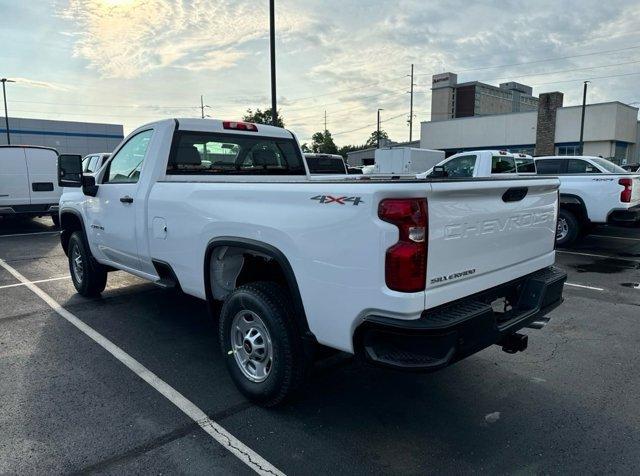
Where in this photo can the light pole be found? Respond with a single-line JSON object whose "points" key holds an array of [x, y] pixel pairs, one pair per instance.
{"points": [[378, 133], [6, 114], [272, 41], [584, 103]]}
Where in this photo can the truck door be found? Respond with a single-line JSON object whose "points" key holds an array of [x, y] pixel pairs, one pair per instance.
{"points": [[14, 185], [42, 165], [112, 213]]}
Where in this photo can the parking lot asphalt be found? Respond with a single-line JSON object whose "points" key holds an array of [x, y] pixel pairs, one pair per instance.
{"points": [[568, 404]]}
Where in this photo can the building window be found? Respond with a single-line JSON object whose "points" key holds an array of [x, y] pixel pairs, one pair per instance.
{"points": [[568, 150], [621, 151]]}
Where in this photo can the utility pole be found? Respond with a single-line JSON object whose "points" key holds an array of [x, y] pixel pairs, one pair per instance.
{"points": [[325, 120], [6, 114], [202, 106], [584, 103], [272, 40], [378, 133], [411, 108]]}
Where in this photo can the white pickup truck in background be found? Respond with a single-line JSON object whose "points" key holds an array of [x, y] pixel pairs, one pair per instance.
{"points": [[593, 191], [484, 163], [406, 273]]}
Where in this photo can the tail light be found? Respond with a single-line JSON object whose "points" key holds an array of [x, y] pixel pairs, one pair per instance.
{"points": [[406, 261], [240, 126], [625, 195]]}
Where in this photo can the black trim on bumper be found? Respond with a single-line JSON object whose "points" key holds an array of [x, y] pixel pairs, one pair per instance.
{"points": [[448, 333], [626, 215]]}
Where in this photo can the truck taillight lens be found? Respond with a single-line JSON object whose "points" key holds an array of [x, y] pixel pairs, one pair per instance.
{"points": [[406, 261], [625, 195], [240, 126]]}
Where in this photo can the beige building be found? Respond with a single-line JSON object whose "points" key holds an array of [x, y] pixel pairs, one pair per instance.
{"points": [[450, 99]]}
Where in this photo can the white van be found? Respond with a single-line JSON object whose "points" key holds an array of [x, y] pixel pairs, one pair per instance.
{"points": [[29, 181]]}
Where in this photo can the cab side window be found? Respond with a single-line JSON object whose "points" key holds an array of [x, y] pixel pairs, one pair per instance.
{"points": [[126, 165], [462, 166], [549, 166], [579, 166]]}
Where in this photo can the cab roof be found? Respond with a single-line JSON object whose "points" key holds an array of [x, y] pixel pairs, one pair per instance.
{"points": [[218, 125]]}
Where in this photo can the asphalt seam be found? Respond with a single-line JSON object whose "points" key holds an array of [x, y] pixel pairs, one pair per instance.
{"points": [[161, 440]]}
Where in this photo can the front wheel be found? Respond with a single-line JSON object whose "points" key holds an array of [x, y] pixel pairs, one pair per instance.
{"points": [[567, 228], [88, 276], [261, 343]]}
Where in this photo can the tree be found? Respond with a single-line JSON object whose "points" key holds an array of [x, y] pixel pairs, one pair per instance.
{"points": [[345, 149], [305, 148], [323, 143], [372, 141], [262, 117]]}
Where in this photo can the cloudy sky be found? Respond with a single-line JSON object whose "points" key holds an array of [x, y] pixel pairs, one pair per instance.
{"points": [[134, 61]]}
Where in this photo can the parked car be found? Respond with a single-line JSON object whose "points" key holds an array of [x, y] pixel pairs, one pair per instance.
{"points": [[295, 262], [28, 181], [91, 163], [325, 164], [593, 190], [484, 163]]}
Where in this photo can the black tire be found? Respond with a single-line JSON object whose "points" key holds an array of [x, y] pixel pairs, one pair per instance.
{"points": [[90, 277], [289, 363], [568, 228], [55, 218]]}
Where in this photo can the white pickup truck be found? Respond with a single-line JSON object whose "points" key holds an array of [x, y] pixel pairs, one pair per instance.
{"points": [[408, 273], [483, 163], [593, 190]]}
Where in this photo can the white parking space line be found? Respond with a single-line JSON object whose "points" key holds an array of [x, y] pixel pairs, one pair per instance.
{"points": [[217, 432], [616, 237], [31, 234], [584, 287], [34, 282], [595, 255]]}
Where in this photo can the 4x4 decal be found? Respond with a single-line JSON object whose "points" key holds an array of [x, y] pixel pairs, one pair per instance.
{"points": [[338, 200]]}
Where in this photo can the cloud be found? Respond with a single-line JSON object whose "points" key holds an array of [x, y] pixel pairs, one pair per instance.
{"points": [[32, 83], [128, 38]]}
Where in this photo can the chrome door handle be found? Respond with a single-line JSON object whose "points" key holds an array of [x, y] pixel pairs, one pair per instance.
{"points": [[126, 199]]}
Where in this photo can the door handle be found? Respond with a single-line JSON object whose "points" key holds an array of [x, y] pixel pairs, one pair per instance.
{"points": [[126, 199]]}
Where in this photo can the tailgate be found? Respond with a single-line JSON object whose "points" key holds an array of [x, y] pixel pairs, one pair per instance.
{"points": [[485, 233]]}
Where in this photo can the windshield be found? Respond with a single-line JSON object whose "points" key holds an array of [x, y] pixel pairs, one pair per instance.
{"points": [[609, 166]]}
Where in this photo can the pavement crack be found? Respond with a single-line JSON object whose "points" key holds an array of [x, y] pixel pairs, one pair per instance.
{"points": [[162, 440]]}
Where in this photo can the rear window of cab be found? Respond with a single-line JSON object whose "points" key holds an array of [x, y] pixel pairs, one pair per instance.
{"points": [[204, 153]]}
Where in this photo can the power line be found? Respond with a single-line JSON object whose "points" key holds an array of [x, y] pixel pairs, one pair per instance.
{"points": [[542, 60]]}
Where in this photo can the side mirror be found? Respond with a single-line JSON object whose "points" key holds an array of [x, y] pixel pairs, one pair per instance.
{"points": [[89, 186], [69, 170], [438, 172]]}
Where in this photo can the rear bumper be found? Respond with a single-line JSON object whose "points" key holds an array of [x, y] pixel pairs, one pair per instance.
{"points": [[625, 215], [34, 210], [448, 333]]}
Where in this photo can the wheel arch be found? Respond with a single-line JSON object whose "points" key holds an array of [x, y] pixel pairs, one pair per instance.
{"points": [[70, 221], [575, 205], [254, 246]]}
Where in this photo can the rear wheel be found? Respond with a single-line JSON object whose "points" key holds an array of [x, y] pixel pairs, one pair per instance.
{"points": [[88, 276], [567, 229], [263, 348]]}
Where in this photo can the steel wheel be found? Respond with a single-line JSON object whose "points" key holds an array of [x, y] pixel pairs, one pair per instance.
{"points": [[77, 265], [562, 229], [251, 346]]}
